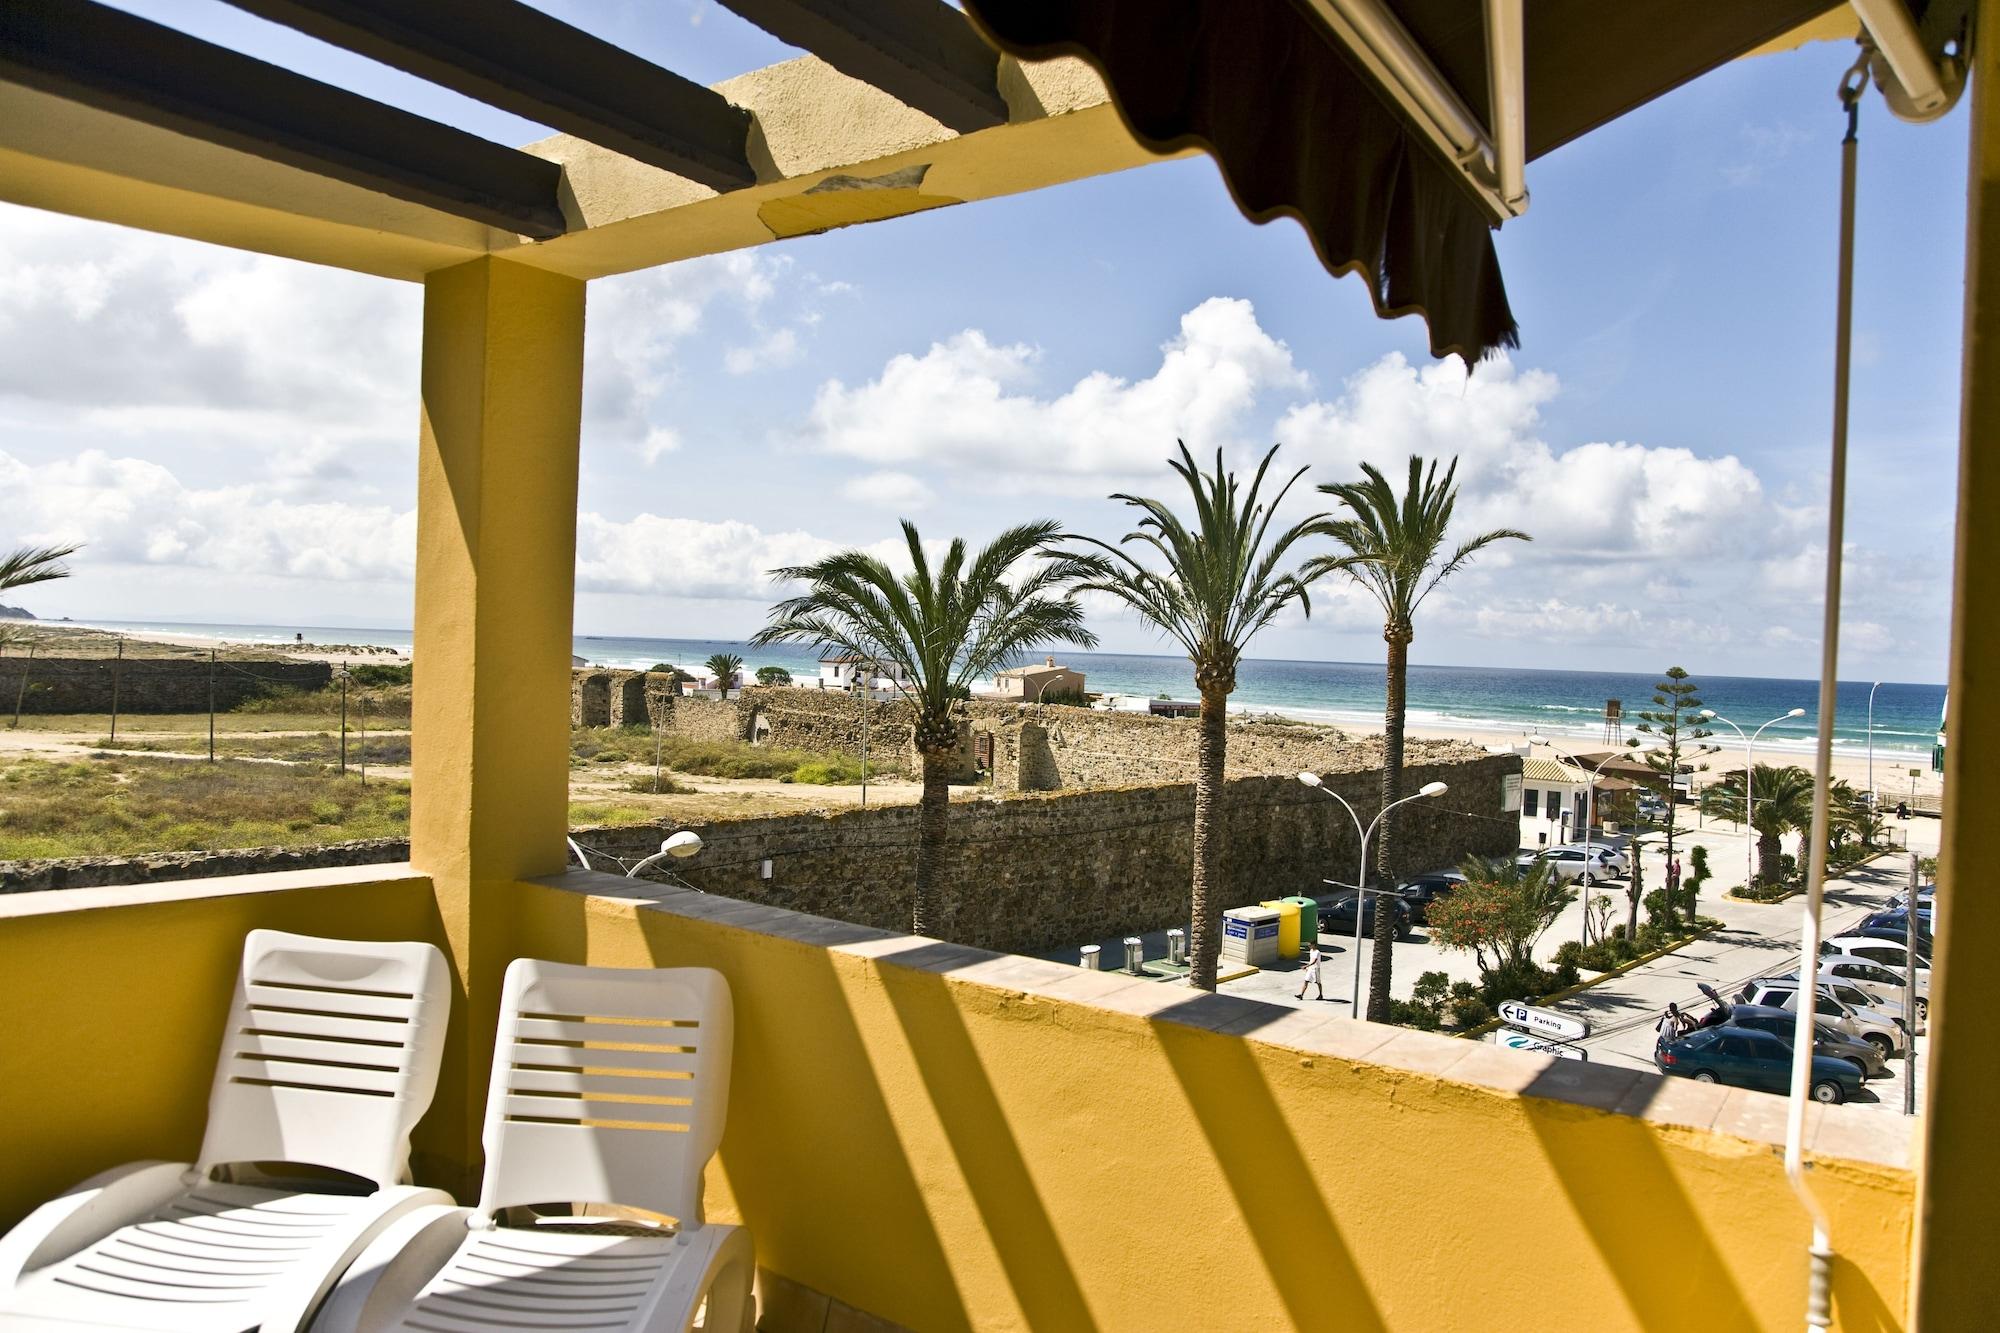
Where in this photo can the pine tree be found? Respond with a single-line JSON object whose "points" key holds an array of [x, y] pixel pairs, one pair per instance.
{"points": [[1674, 723]]}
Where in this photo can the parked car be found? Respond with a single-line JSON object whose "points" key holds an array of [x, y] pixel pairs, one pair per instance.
{"points": [[1337, 917], [1885, 935], [1892, 954], [1650, 806], [1926, 897], [1566, 864], [1871, 1025], [1613, 860], [1887, 983], [1898, 920], [1752, 1058], [1861, 992], [1420, 891], [1827, 1039]]}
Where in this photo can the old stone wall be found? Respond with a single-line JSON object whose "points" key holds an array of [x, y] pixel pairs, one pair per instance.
{"points": [[1037, 872], [92, 872], [147, 685], [1033, 747]]}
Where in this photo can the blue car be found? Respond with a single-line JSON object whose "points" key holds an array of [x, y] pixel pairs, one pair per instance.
{"points": [[1750, 1058]]}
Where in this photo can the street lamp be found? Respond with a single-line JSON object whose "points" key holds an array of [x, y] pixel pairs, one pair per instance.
{"points": [[1361, 892], [1871, 743], [1749, 767], [1589, 813]]}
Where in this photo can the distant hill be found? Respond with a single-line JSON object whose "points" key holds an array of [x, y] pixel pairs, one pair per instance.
{"points": [[16, 613]]}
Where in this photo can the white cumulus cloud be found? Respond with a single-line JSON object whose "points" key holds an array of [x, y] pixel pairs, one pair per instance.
{"points": [[967, 403]]}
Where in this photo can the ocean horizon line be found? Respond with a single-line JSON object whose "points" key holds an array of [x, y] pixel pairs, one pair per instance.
{"points": [[108, 623]]}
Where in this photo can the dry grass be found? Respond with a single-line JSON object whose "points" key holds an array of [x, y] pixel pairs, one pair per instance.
{"points": [[120, 805], [321, 747]]}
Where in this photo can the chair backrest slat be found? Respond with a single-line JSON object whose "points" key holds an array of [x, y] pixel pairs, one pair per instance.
{"points": [[610, 1086], [330, 1056]]}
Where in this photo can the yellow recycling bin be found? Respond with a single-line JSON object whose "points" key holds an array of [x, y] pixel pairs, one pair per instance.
{"points": [[1288, 927]]}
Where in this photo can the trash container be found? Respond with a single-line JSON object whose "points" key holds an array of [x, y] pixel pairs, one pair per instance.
{"points": [[1250, 935], [1288, 926], [1308, 918]]}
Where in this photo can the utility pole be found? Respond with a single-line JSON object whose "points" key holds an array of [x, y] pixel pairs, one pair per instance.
{"points": [[1910, 991], [21, 690], [211, 705], [117, 666], [343, 719]]}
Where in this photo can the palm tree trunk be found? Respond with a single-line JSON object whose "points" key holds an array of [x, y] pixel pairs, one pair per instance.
{"points": [[1204, 935], [1381, 956], [933, 811], [1769, 848]]}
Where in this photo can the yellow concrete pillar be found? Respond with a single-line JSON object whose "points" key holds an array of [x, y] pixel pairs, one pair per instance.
{"points": [[1959, 1163], [496, 559]]}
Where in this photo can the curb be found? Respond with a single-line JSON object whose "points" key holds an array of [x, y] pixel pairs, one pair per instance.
{"points": [[1554, 996]]}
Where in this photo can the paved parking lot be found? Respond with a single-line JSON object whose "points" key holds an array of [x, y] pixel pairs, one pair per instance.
{"points": [[1755, 939]]}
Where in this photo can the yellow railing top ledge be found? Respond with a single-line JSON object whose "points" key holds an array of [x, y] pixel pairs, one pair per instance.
{"points": [[52, 902], [1849, 1133]]}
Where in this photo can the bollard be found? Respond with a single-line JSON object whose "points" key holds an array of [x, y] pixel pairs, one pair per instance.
{"points": [[1177, 945], [1134, 954], [1090, 957]]}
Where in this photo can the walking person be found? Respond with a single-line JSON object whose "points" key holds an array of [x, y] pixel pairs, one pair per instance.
{"points": [[1310, 977]]}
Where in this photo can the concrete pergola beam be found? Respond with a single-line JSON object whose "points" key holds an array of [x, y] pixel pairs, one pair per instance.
{"points": [[829, 151]]}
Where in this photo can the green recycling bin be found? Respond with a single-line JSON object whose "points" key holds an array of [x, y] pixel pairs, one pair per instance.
{"points": [[1308, 917]]}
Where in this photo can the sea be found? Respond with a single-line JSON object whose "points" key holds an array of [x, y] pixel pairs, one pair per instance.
{"points": [[1554, 703]]}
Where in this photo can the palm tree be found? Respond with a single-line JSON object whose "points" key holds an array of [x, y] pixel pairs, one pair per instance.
{"points": [[31, 564], [1220, 584], [1391, 546], [724, 666], [944, 627], [1782, 801]]}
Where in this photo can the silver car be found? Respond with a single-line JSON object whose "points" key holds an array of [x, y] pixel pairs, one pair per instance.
{"points": [[1876, 1028]]}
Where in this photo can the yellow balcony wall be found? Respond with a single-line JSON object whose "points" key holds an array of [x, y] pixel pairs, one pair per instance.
{"points": [[955, 1139]]}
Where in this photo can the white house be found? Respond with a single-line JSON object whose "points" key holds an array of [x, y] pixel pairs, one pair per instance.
{"points": [[1030, 683], [840, 671], [1552, 801]]}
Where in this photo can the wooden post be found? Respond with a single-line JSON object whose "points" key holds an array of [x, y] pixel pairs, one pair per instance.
{"points": [[117, 667], [211, 705], [343, 719], [21, 691]]}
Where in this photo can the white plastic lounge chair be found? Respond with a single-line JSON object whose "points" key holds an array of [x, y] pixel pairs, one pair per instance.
{"points": [[329, 1058], [609, 1088]]}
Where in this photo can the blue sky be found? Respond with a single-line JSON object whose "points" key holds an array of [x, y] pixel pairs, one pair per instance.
{"points": [[1661, 431]]}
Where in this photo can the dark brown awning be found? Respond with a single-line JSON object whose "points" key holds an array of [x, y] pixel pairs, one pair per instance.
{"points": [[1301, 129]]}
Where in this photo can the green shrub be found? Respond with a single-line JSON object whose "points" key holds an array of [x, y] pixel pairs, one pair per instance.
{"points": [[379, 673], [1410, 1015], [773, 675], [1469, 1011], [1431, 990], [1067, 698], [1519, 981], [1571, 952]]}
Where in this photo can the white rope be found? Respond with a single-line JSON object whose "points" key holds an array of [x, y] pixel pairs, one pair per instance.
{"points": [[1820, 1256]]}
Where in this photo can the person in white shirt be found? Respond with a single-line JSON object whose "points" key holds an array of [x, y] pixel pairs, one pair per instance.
{"points": [[1310, 977], [1671, 1025]]}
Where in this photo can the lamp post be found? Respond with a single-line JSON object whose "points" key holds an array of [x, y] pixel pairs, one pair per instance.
{"points": [[1749, 768], [1871, 743], [1361, 891], [1589, 813]]}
